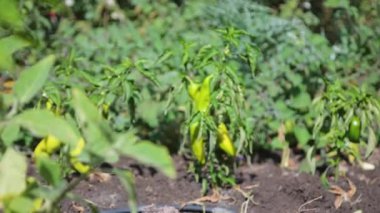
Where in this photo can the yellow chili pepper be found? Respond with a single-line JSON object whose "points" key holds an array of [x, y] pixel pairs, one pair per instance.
{"points": [[78, 149], [224, 141], [201, 94], [37, 204], [74, 154], [47, 146], [49, 104], [79, 166], [193, 89], [50, 144], [197, 144]]}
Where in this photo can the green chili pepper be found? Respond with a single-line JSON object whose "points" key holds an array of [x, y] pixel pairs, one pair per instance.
{"points": [[354, 129]]}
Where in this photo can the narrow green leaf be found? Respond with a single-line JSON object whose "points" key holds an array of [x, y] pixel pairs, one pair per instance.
{"points": [[12, 174], [324, 180], [372, 142], [127, 180], [253, 54], [337, 3], [166, 55], [8, 46], [32, 79], [311, 160], [43, 122]]}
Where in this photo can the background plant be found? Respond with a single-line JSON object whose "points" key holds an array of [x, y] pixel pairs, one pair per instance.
{"points": [[130, 58], [100, 143], [346, 118]]}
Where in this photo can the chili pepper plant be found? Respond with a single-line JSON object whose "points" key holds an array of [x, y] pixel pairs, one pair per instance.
{"points": [[347, 118], [216, 128]]}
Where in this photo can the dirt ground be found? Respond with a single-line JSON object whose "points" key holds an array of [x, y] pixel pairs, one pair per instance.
{"points": [[267, 188]]}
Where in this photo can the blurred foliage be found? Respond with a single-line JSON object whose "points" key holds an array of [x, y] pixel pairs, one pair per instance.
{"points": [[287, 76]]}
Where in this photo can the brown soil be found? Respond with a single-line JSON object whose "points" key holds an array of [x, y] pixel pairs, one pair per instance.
{"points": [[273, 190]]}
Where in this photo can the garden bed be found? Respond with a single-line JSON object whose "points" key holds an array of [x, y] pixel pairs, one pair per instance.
{"points": [[203, 84], [274, 190]]}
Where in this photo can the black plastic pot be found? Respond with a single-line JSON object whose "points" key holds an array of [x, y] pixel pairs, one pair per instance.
{"points": [[186, 209]]}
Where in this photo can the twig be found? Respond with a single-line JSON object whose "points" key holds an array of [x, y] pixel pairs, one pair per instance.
{"points": [[300, 209], [68, 188], [248, 195]]}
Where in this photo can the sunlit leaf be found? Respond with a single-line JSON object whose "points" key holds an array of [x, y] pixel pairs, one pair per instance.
{"points": [[12, 174], [337, 3], [8, 46], [97, 132], [42, 123], [10, 15], [147, 153], [127, 180], [10, 133], [32, 79], [20, 204], [372, 142]]}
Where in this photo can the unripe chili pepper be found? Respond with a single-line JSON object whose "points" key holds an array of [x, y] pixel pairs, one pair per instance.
{"points": [[354, 129]]}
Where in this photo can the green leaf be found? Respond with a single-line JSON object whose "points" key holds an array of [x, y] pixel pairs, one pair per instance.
{"points": [[20, 204], [165, 56], [42, 122], [127, 180], [85, 109], [284, 112], [276, 143], [8, 46], [301, 101], [12, 174], [10, 133], [10, 15], [253, 54], [49, 170], [337, 3], [312, 161], [324, 180], [97, 132], [372, 142], [149, 111], [148, 153], [302, 135], [32, 79], [293, 77]]}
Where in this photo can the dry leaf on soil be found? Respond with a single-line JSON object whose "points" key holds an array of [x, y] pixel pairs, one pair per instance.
{"points": [[342, 195]]}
